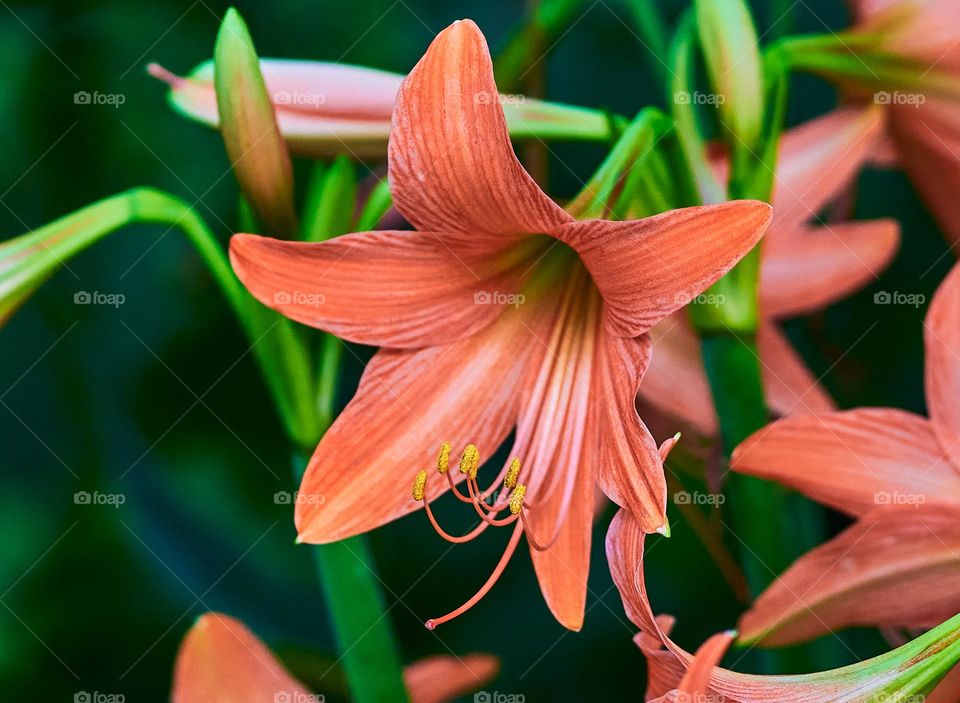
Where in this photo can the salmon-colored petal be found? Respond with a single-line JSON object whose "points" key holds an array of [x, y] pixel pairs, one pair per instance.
{"points": [[646, 269], [558, 450], [630, 470], [408, 403], [439, 679], [897, 566], [789, 385], [675, 382], [852, 460], [853, 683], [221, 660], [928, 138], [393, 289], [820, 158], [664, 670], [452, 166], [817, 266], [942, 344], [696, 680]]}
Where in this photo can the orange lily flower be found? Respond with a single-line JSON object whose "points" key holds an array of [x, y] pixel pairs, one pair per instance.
{"points": [[325, 108], [501, 311], [676, 676], [221, 661], [899, 474], [804, 268], [924, 129]]}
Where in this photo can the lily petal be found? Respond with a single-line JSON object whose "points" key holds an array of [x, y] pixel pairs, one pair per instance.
{"points": [[896, 566], [707, 658], [443, 678], [647, 269], [675, 382], [818, 159], [408, 403], [557, 445], [452, 166], [942, 345], [928, 139], [630, 471], [889, 673], [852, 460], [789, 385], [221, 660], [391, 288], [812, 268]]}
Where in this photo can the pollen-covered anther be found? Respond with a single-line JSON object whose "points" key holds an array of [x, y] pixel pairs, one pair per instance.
{"points": [[470, 461], [419, 485], [516, 500], [443, 458], [510, 480]]}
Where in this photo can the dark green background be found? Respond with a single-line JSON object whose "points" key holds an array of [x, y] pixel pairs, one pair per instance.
{"points": [[97, 598]]}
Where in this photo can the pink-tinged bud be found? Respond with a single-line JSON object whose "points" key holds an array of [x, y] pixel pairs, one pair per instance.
{"points": [[254, 144], [326, 109]]}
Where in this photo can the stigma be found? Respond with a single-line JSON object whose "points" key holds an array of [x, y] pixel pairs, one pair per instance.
{"points": [[494, 508]]}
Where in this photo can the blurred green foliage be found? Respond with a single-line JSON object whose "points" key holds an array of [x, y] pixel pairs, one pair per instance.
{"points": [[103, 399]]}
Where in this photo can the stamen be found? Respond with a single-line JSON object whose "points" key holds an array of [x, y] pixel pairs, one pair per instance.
{"points": [[498, 570], [470, 461], [443, 459], [510, 480], [419, 485], [516, 500]]}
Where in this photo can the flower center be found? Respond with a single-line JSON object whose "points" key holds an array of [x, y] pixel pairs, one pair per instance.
{"points": [[501, 511]]}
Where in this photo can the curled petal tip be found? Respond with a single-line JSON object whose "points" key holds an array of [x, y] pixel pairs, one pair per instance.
{"points": [[160, 73], [664, 529]]}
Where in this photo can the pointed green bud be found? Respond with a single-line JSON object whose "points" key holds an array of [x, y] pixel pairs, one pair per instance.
{"points": [[248, 123], [732, 54]]}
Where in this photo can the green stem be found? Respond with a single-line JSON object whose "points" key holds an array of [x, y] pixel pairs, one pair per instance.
{"points": [[361, 624], [653, 34], [345, 569]]}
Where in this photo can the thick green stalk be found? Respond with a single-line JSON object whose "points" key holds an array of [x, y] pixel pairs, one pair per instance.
{"points": [[361, 623], [345, 569]]}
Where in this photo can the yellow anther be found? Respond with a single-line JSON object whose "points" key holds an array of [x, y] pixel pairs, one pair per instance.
{"points": [[443, 458], [510, 480], [470, 461], [419, 485], [516, 500]]}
